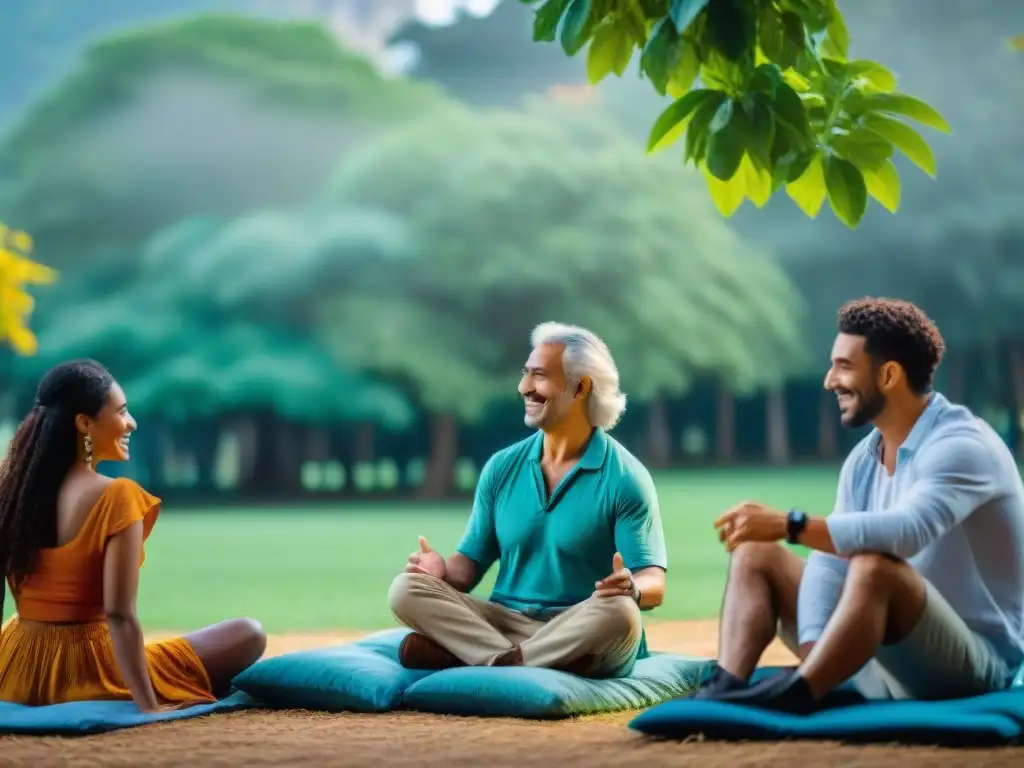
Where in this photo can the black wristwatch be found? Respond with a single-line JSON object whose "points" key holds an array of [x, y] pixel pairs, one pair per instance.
{"points": [[796, 524]]}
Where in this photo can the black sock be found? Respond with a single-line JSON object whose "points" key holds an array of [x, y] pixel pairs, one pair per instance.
{"points": [[724, 680]]}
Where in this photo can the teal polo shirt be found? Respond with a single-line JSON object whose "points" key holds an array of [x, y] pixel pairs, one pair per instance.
{"points": [[552, 549]]}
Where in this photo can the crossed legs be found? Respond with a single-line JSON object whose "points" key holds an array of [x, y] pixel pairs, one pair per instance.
{"points": [[599, 637]]}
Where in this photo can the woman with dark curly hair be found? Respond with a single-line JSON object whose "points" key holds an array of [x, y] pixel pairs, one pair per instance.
{"points": [[71, 546]]}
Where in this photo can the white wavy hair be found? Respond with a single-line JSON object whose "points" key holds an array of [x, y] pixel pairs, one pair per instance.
{"points": [[585, 354]]}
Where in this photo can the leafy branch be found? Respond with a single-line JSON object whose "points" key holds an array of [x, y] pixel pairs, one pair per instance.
{"points": [[766, 96]]}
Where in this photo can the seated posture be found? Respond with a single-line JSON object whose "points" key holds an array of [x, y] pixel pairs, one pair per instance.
{"points": [[915, 584], [571, 517], [71, 546]]}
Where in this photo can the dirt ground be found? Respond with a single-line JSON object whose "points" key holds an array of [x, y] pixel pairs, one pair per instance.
{"points": [[415, 740]]}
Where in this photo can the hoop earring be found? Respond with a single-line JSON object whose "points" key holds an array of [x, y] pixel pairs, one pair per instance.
{"points": [[88, 450]]}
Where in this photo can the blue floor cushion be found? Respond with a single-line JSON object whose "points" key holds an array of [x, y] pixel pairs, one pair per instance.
{"points": [[993, 719], [80, 718], [363, 676], [529, 692]]}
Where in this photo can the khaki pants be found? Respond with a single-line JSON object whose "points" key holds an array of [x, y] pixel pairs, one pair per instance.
{"points": [[477, 631]]}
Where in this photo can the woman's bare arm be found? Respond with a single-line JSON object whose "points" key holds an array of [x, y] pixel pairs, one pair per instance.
{"points": [[120, 590]]}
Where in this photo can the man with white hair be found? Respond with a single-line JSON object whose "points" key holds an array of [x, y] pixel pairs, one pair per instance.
{"points": [[572, 519]]}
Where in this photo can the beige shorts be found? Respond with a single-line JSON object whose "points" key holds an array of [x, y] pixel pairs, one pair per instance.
{"points": [[941, 658]]}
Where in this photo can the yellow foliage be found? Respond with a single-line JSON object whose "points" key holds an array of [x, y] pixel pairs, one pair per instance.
{"points": [[17, 271]]}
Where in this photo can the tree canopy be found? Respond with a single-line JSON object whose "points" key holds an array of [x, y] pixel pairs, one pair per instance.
{"points": [[765, 95], [520, 217], [216, 115]]}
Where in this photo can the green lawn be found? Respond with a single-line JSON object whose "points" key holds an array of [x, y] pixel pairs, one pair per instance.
{"points": [[328, 568]]}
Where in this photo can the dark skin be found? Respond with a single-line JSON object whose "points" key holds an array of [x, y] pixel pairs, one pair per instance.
{"points": [[883, 598], [560, 410], [224, 649]]}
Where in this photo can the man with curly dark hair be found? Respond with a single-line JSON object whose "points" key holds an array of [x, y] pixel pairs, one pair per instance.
{"points": [[914, 587]]}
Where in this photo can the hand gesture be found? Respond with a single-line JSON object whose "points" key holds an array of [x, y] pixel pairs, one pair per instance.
{"points": [[426, 561], [750, 521], [618, 584]]}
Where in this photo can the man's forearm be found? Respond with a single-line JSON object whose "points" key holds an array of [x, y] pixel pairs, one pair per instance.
{"points": [[462, 573], [651, 583], [816, 536]]}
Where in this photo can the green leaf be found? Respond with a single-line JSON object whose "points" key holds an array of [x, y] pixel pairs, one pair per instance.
{"points": [[761, 134], [791, 165], [847, 192], [837, 38], [683, 12], [698, 130], [873, 73], [723, 116], [789, 110], [904, 138], [673, 120], [610, 50], [732, 27], [908, 106], [809, 190], [545, 20], [771, 35], [793, 39], [883, 184], [574, 27], [660, 55], [767, 79], [864, 148], [727, 195], [727, 142], [683, 76], [756, 181], [814, 13]]}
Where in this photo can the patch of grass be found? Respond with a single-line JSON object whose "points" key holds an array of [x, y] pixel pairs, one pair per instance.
{"points": [[329, 568]]}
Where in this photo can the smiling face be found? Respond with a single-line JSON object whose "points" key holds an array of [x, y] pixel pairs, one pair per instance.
{"points": [[544, 388], [111, 429], [854, 378]]}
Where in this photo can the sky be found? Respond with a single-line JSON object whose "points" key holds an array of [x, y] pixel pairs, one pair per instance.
{"points": [[444, 11]]}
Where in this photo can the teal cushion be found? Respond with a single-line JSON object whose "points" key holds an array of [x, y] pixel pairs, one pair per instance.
{"points": [[364, 676], [529, 692], [79, 718], [996, 718]]}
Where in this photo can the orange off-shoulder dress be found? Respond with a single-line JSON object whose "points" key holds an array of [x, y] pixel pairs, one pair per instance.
{"points": [[56, 648]]}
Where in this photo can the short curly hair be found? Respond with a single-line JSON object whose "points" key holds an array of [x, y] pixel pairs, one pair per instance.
{"points": [[899, 331]]}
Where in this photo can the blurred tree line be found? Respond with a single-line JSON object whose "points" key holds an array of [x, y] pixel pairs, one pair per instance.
{"points": [[312, 278]]}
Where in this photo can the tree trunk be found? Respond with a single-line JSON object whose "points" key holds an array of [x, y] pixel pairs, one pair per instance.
{"points": [[827, 417], [725, 425], [1017, 382], [288, 457], [318, 444], [776, 427], [440, 474], [277, 469], [248, 434], [365, 442], [659, 436]]}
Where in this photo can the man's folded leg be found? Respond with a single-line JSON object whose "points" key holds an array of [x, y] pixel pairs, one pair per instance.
{"points": [[941, 658], [599, 637], [450, 627]]}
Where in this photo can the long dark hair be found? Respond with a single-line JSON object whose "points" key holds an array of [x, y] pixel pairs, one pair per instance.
{"points": [[42, 451]]}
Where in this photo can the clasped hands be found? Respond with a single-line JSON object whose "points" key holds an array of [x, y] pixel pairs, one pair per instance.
{"points": [[750, 521]]}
